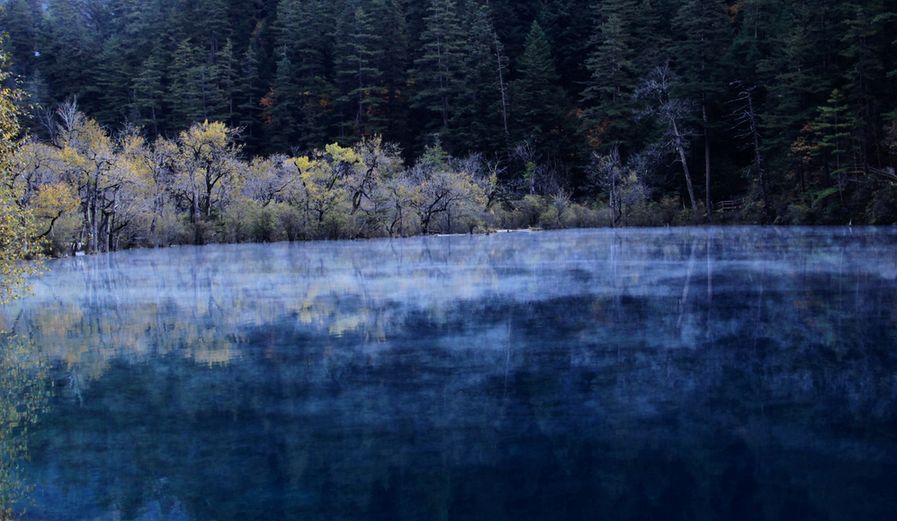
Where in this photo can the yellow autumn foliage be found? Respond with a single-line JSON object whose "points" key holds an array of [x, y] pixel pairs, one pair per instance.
{"points": [[17, 237]]}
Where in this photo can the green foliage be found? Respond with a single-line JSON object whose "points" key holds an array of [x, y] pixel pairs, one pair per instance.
{"points": [[23, 373], [555, 77], [608, 94], [360, 53], [539, 104], [833, 127], [149, 92], [18, 240], [437, 72]]}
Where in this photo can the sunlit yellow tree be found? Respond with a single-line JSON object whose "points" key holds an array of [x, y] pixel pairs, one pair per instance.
{"points": [[23, 372], [324, 177], [205, 168], [18, 242]]}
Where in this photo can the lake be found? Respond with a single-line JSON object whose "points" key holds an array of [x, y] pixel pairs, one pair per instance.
{"points": [[722, 373]]}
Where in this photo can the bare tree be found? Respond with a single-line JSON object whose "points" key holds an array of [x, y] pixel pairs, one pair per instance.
{"points": [[69, 118], [656, 91], [606, 171], [538, 177], [624, 183], [748, 128]]}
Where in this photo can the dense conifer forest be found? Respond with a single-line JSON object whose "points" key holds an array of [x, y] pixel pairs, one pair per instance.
{"points": [[153, 122]]}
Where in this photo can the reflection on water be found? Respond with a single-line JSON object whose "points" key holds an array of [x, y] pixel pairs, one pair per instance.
{"points": [[24, 390], [644, 374]]}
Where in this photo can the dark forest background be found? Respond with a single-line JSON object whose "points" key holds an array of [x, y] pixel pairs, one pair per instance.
{"points": [[762, 110]]}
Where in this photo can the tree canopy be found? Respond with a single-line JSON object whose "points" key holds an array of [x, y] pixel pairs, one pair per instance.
{"points": [[537, 87]]}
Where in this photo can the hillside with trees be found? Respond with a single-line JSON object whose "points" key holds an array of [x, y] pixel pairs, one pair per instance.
{"points": [[164, 121]]}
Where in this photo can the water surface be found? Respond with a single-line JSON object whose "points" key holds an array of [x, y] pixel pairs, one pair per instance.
{"points": [[730, 373]]}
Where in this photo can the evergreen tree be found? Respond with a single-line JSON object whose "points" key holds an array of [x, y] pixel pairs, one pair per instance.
{"points": [[834, 128], [21, 18], [792, 75], [112, 84], [141, 21], [481, 120], [436, 76], [249, 91], [702, 31], [569, 30], [215, 27], [867, 38], [537, 99], [651, 34], [186, 96], [68, 54], [285, 105], [228, 70], [359, 79], [512, 21], [149, 92], [390, 27], [304, 32], [608, 94]]}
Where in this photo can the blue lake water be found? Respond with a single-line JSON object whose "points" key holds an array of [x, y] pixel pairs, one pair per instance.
{"points": [[729, 373]]}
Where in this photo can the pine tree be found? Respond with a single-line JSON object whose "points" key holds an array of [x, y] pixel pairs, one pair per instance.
{"points": [[228, 71], [19, 18], [304, 32], [436, 76], [141, 21], [538, 102], [866, 41], [249, 91], [569, 29], [358, 76], [792, 75], [186, 96], [651, 34], [390, 27], [68, 55], [286, 104], [702, 31], [215, 26], [608, 94], [512, 18], [834, 126], [481, 120], [149, 92], [112, 84]]}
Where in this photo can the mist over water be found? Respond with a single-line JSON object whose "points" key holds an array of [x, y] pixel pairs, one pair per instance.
{"points": [[723, 373]]}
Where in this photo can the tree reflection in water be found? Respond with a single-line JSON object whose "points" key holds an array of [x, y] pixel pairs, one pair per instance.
{"points": [[679, 374], [24, 390]]}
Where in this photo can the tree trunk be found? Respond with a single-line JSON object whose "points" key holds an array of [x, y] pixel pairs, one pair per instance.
{"points": [[501, 86], [684, 160], [708, 201]]}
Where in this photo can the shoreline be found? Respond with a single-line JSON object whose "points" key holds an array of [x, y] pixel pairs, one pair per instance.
{"points": [[503, 231]]}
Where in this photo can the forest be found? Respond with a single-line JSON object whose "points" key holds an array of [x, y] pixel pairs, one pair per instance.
{"points": [[158, 122]]}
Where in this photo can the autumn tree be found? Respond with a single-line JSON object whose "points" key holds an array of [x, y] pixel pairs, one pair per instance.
{"points": [[17, 233], [440, 192], [205, 166]]}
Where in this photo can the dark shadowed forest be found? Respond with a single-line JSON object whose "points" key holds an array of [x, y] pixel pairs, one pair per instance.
{"points": [[165, 121]]}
